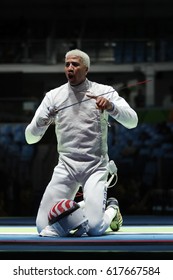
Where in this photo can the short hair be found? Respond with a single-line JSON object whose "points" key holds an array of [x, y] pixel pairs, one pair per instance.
{"points": [[84, 56]]}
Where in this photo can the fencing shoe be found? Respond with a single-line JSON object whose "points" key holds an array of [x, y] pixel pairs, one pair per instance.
{"points": [[117, 220], [48, 231]]}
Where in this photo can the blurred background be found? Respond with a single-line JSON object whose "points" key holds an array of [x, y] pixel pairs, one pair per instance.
{"points": [[129, 41]]}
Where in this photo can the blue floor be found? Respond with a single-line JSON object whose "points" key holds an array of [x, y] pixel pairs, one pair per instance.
{"points": [[139, 234]]}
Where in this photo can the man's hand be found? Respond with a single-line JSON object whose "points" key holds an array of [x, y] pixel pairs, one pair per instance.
{"points": [[101, 102], [48, 118]]}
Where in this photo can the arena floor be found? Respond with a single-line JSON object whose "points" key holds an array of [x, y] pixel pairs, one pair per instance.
{"points": [[139, 234]]}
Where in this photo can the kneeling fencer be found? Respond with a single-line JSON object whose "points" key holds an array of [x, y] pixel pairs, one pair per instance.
{"points": [[79, 109]]}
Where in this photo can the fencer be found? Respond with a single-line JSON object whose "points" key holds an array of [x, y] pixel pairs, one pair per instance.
{"points": [[81, 131]]}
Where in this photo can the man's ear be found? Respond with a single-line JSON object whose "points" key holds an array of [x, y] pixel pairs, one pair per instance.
{"points": [[87, 70]]}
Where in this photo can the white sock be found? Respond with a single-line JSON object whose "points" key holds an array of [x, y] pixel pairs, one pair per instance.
{"points": [[111, 212]]}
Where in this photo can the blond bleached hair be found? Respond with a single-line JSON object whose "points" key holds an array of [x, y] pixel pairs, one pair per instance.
{"points": [[84, 56]]}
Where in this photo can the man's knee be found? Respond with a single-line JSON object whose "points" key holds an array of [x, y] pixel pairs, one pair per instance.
{"points": [[95, 230]]}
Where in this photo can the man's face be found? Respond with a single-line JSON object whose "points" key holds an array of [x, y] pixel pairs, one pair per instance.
{"points": [[75, 70]]}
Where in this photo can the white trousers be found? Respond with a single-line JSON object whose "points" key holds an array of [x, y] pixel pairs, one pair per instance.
{"points": [[65, 183]]}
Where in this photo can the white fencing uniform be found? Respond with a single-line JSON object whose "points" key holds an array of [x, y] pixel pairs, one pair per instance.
{"points": [[81, 132]]}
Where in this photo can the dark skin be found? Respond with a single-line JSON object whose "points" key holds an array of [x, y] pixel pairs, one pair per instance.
{"points": [[76, 72]]}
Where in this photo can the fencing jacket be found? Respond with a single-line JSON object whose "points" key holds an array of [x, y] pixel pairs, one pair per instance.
{"points": [[81, 129]]}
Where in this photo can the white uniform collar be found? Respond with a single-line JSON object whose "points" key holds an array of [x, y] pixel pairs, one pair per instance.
{"points": [[82, 87]]}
